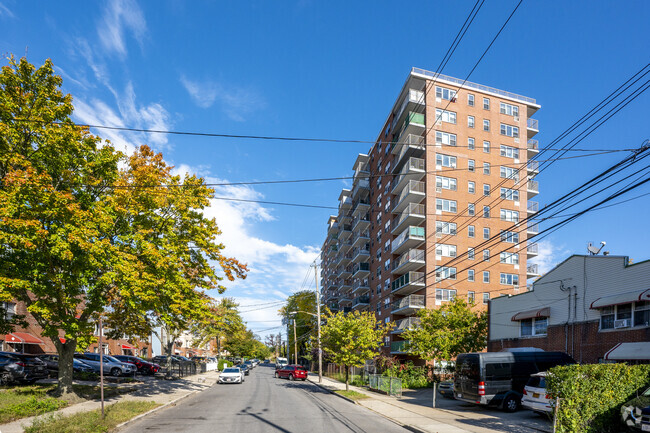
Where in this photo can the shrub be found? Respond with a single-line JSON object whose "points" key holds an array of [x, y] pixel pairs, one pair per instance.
{"points": [[412, 376], [591, 395], [223, 363]]}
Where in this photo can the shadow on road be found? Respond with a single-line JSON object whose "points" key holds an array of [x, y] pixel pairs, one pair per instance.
{"points": [[246, 412]]}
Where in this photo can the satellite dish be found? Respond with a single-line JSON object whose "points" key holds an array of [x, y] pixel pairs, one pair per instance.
{"points": [[593, 250]]}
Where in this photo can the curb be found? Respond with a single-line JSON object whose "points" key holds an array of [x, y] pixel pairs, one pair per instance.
{"points": [[156, 409], [332, 392]]}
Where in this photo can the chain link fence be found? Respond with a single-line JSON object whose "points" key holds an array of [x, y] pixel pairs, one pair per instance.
{"points": [[388, 385]]}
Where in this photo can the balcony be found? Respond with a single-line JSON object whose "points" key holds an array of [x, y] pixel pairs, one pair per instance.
{"points": [[413, 125], [532, 229], [333, 227], [533, 147], [414, 100], [333, 238], [332, 251], [360, 302], [345, 299], [361, 254], [344, 259], [405, 324], [413, 192], [344, 272], [412, 146], [345, 217], [333, 306], [399, 347], [345, 285], [531, 270], [532, 167], [345, 231], [413, 169], [532, 125], [360, 287], [532, 207], [345, 203], [532, 250], [413, 215], [360, 239], [345, 246], [409, 261], [361, 270], [361, 187], [532, 188], [409, 305], [408, 283], [361, 222], [410, 238], [361, 207]]}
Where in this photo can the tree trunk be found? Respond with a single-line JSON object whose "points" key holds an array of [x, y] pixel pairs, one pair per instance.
{"points": [[347, 378], [66, 355], [168, 350]]}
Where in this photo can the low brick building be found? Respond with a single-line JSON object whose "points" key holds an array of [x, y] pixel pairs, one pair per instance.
{"points": [[595, 308]]}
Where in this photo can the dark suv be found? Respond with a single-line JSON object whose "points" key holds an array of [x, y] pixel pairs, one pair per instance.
{"points": [[21, 367]]}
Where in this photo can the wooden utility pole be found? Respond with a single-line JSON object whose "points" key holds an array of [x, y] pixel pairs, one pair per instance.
{"points": [[295, 343], [101, 364], [320, 349]]}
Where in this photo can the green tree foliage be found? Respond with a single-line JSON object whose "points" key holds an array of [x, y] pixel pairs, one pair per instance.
{"points": [[447, 331], [246, 344], [351, 339], [303, 302], [224, 323]]}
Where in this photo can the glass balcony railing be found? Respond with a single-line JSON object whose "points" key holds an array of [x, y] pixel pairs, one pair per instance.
{"points": [[399, 346], [533, 228], [361, 300], [413, 232], [532, 124], [411, 301], [405, 324], [532, 248], [406, 279], [361, 267], [532, 268], [533, 144], [413, 209], [411, 255], [533, 185], [532, 206]]}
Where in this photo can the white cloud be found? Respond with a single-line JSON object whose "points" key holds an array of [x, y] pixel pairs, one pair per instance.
{"points": [[549, 255], [4, 11], [120, 17], [236, 102]]}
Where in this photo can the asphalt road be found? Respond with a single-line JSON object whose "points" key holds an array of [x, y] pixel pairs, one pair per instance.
{"points": [[264, 404]]}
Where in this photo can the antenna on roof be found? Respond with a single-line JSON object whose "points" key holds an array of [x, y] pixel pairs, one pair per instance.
{"points": [[594, 251]]}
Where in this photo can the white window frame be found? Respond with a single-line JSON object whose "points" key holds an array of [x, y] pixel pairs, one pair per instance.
{"points": [[445, 138], [471, 187], [449, 183], [471, 232], [486, 168], [446, 115], [534, 325], [509, 151], [510, 194], [486, 146], [509, 173], [509, 258], [470, 275], [486, 125], [470, 143], [445, 160], [486, 103], [446, 205], [509, 237], [446, 250], [509, 215], [446, 228], [471, 165], [471, 209], [445, 295], [507, 279], [470, 99], [509, 130], [445, 273], [470, 121], [444, 93], [509, 109]]}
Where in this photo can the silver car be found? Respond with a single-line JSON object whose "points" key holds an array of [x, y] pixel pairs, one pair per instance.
{"points": [[111, 365]]}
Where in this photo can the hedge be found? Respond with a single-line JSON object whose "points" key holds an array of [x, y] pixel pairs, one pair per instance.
{"points": [[223, 364], [591, 395]]}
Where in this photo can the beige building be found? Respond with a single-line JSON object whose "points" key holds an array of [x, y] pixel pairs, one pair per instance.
{"points": [[448, 172]]}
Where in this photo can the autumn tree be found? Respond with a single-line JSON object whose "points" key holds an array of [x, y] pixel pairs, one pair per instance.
{"points": [[224, 323], [446, 332], [351, 339], [302, 304]]}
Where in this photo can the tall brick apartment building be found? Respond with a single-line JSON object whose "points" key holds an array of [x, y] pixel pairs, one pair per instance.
{"points": [[448, 170], [595, 308]]}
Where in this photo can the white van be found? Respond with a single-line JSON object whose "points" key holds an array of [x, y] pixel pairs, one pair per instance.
{"points": [[281, 362]]}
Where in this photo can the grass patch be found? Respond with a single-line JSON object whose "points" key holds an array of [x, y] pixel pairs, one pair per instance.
{"points": [[91, 422], [352, 395]]}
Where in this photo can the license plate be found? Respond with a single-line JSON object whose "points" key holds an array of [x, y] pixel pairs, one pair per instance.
{"points": [[535, 395], [645, 427], [459, 395]]}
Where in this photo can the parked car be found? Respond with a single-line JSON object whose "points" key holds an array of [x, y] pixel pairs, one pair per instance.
{"points": [[636, 412], [245, 368], [231, 375], [498, 378], [249, 364], [143, 366], [281, 362], [292, 372], [78, 366], [111, 365], [162, 360], [535, 397], [446, 389], [23, 368]]}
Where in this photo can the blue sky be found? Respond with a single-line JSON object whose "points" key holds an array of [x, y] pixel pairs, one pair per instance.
{"points": [[331, 69]]}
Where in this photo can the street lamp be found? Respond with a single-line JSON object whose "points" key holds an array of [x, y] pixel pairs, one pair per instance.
{"points": [[320, 351]]}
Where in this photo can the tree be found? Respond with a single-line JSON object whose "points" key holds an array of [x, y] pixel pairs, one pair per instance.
{"points": [[303, 303], [351, 339], [224, 322], [447, 331]]}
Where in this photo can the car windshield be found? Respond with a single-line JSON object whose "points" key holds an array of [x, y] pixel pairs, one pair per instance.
{"points": [[111, 359], [537, 382], [231, 370]]}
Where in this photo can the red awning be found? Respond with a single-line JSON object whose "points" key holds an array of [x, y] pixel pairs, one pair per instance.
{"points": [[126, 346], [531, 314], [62, 340], [22, 337], [621, 298]]}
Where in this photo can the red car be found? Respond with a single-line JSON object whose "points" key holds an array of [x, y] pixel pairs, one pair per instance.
{"points": [[292, 372]]}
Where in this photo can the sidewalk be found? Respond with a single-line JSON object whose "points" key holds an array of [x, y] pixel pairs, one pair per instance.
{"points": [[160, 391], [415, 412]]}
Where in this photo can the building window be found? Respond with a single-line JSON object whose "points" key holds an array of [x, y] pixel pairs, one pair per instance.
{"points": [[509, 215], [446, 94], [509, 109], [387, 284], [386, 245], [445, 138], [509, 279], [642, 313], [470, 275], [470, 253], [486, 168], [470, 209], [470, 99], [446, 183], [470, 297], [509, 258], [445, 160], [621, 316], [486, 255], [446, 228], [470, 165], [470, 143], [486, 296], [486, 125], [471, 187], [509, 130], [510, 194], [486, 233], [532, 327], [470, 231], [9, 310], [444, 295], [510, 173], [510, 237], [386, 303], [509, 151], [445, 116], [486, 279], [486, 103], [446, 205], [486, 147], [470, 121], [387, 265], [486, 190], [445, 272], [446, 250], [486, 211]]}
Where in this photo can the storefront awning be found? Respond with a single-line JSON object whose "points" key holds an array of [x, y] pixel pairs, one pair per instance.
{"points": [[629, 352], [621, 298], [22, 337], [540, 312], [126, 346]]}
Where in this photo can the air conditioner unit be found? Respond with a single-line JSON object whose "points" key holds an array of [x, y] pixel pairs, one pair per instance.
{"points": [[438, 189], [516, 288], [438, 235], [623, 323], [516, 118], [516, 140]]}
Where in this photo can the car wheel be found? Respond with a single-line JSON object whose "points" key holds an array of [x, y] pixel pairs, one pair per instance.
{"points": [[303, 379], [5, 378], [291, 377], [276, 375], [115, 371], [511, 403]]}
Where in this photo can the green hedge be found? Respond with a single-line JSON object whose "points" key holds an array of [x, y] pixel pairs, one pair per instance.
{"points": [[591, 395], [223, 364]]}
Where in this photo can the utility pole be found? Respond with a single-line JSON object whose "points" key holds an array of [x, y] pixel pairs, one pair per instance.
{"points": [[101, 363], [295, 343], [320, 349]]}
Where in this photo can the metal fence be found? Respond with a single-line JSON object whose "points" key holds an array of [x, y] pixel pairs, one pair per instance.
{"points": [[181, 369], [388, 385]]}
